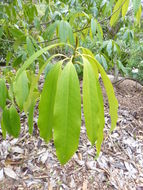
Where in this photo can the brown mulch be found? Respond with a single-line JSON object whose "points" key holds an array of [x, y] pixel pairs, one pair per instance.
{"points": [[28, 163]]}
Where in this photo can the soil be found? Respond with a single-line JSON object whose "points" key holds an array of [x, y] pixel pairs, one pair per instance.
{"points": [[29, 163]]}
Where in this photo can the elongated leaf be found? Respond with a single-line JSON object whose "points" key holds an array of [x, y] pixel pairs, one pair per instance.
{"points": [[30, 117], [125, 8], [34, 84], [100, 31], [3, 129], [93, 104], [67, 114], [1, 32], [17, 33], [93, 27], [65, 32], [47, 101], [136, 5], [35, 56], [3, 93], [116, 12], [30, 47], [138, 15], [21, 89], [113, 103], [11, 121]]}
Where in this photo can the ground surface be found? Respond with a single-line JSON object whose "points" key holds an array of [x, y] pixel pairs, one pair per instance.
{"points": [[28, 163]]}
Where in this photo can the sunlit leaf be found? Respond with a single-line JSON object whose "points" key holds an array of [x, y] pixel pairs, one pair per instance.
{"points": [[67, 114], [47, 101], [93, 106]]}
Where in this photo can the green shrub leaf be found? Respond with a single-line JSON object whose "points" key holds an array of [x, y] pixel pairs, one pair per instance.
{"points": [[113, 103], [125, 8], [116, 11], [3, 93], [3, 128], [30, 116], [67, 114], [11, 121], [21, 89], [93, 105], [47, 100]]}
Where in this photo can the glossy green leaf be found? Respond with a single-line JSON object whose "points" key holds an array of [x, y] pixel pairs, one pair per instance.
{"points": [[93, 105], [11, 121], [47, 101], [21, 89], [3, 93], [67, 114], [125, 8], [116, 12], [113, 103], [138, 15]]}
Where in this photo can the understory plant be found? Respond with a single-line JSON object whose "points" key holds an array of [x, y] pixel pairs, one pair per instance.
{"points": [[60, 101], [45, 37]]}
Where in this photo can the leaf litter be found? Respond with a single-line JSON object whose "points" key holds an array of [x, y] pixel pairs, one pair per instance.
{"points": [[29, 163]]}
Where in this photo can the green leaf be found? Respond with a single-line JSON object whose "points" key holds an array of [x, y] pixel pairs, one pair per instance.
{"points": [[3, 93], [30, 47], [8, 57], [99, 30], [11, 121], [113, 103], [116, 12], [50, 31], [104, 62], [30, 116], [136, 5], [3, 129], [138, 15], [109, 47], [125, 8], [34, 84], [93, 27], [67, 114], [21, 89], [1, 32], [17, 33], [93, 105], [65, 32], [28, 62], [47, 100]]}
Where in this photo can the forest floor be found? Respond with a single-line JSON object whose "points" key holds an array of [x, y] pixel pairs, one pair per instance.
{"points": [[28, 163]]}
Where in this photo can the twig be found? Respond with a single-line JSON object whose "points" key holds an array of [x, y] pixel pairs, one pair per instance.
{"points": [[32, 25]]}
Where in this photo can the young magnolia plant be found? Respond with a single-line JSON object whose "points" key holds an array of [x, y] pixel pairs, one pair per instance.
{"points": [[60, 101]]}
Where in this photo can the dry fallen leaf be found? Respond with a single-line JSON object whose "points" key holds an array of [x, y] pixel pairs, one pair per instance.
{"points": [[1, 175], [10, 173]]}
